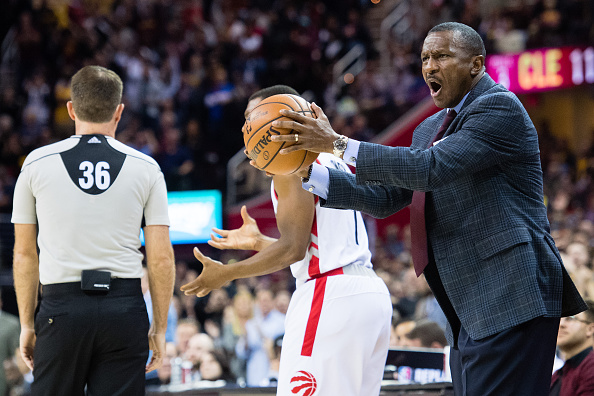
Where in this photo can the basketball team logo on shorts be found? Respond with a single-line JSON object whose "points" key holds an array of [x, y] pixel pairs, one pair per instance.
{"points": [[304, 384]]}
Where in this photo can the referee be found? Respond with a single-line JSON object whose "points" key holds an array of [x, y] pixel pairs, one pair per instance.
{"points": [[85, 199]]}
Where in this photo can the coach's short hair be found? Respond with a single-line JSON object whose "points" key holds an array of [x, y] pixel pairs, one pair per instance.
{"points": [[273, 90], [470, 39], [96, 92]]}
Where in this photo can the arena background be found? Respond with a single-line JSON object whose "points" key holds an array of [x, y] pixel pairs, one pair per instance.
{"points": [[189, 66]]}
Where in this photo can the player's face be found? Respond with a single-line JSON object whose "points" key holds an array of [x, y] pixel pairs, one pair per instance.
{"points": [[446, 68], [250, 106]]}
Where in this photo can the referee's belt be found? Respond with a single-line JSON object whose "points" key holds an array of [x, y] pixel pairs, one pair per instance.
{"points": [[119, 286]]}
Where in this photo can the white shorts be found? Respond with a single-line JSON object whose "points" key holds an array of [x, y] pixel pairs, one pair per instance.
{"points": [[337, 333]]}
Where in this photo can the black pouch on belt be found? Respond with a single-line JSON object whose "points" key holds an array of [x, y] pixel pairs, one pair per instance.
{"points": [[95, 281]]}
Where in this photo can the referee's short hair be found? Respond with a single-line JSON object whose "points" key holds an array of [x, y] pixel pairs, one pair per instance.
{"points": [[96, 93]]}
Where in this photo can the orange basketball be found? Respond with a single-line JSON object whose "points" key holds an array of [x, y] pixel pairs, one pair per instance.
{"points": [[258, 129]]}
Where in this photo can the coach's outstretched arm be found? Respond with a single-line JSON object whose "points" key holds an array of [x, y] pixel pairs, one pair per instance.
{"points": [[294, 218], [160, 265]]}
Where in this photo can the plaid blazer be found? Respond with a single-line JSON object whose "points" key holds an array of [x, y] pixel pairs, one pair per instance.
{"points": [[485, 215]]}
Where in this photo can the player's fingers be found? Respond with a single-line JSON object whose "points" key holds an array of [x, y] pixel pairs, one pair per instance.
{"points": [[246, 216], [223, 233], [199, 256], [217, 245], [253, 163], [190, 286], [203, 293]]}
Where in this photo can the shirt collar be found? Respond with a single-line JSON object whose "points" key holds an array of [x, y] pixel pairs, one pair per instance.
{"points": [[575, 361], [459, 105]]}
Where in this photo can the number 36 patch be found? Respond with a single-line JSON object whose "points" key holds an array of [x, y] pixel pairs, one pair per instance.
{"points": [[93, 165]]}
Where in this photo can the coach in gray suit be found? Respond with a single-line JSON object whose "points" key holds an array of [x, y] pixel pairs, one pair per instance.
{"points": [[478, 221]]}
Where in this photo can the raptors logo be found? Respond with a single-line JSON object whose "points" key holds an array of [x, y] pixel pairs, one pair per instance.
{"points": [[304, 384]]}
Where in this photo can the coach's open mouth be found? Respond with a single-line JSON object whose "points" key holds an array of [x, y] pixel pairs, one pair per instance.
{"points": [[434, 87]]}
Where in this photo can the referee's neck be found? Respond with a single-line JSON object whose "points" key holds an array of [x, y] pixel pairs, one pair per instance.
{"points": [[94, 128]]}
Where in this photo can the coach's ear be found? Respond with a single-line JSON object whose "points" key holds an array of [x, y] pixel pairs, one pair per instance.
{"points": [[477, 66], [71, 110]]}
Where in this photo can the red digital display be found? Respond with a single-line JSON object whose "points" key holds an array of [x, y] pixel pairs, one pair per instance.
{"points": [[543, 69]]}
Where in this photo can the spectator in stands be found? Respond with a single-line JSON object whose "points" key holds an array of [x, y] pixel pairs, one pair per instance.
{"points": [[281, 301], [273, 349], [268, 323], [214, 365], [10, 331], [198, 345], [578, 265], [425, 334], [186, 329], [576, 335], [400, 330], [210, 312], [234, 327]]}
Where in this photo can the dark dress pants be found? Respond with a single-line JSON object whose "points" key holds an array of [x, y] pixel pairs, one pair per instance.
{"points": [[97, 341], [515, 362]]}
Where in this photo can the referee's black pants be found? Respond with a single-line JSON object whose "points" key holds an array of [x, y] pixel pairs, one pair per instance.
{"points": [[97, 341]]}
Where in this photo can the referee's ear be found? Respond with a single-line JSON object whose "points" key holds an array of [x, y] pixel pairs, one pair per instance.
{"points": [[118, 113], [71, 110]]}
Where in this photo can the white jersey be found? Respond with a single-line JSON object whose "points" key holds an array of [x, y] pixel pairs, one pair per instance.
{"points": [[338, 237], [89, 195]]}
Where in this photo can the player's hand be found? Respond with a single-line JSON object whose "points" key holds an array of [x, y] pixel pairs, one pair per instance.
{"points": [[315, 134], [211, 277], [242, 238], [157, 345], [27, 345], [253, 163]]}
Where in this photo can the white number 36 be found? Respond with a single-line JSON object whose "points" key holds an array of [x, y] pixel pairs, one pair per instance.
{"points": [[101, 177]]}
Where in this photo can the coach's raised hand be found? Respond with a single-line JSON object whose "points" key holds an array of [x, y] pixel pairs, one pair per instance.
{"points": [[314, 134]]}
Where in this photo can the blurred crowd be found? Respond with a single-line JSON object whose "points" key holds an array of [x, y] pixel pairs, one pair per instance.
{"points": [[189, 66]]}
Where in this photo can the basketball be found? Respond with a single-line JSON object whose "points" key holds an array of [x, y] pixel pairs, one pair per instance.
{"points": [[258, 129]]}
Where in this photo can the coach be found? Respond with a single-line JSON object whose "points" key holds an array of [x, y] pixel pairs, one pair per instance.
{"points": [[84, 199], [478, 221]]}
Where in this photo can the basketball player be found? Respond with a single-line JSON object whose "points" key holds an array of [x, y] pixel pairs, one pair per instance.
{"points": [[337, 327], [88, 196]]}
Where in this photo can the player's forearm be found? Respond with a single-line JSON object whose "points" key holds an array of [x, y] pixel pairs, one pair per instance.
{"points": [[161, 273], [263, 242], [26, 283], [274, 257]]}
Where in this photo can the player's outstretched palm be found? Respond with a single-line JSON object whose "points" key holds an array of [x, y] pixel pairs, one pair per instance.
{"points": [[211, 277], [242, 238]]}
